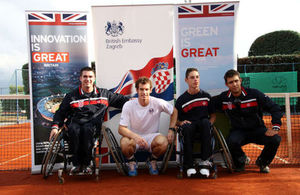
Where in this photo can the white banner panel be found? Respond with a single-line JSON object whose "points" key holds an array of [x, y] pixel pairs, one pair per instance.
{"points": [[205, 40], [134, 41]]}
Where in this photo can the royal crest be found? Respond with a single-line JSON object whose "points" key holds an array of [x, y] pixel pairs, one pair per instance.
{"points": [[114, 29]]}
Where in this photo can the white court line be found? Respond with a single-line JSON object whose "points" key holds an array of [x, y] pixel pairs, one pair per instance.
{"points": [[277, 157], [23, 156], [22, 140]]}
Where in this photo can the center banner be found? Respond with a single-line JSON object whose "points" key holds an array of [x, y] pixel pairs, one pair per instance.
{"points": [[130, 42]]}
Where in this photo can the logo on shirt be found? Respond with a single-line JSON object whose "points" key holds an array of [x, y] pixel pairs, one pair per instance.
{"points": [[80, 104], [229, 105], [151, 110]]}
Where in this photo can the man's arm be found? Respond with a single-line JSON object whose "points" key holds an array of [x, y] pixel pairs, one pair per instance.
{"points": [[274, 109], [212, 118], [125, 132], [60, 115], [117, 100], [173, 120]]}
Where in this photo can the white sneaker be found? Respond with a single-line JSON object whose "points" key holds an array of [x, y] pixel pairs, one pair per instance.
{"points": [[205, 171], [190, 172]]}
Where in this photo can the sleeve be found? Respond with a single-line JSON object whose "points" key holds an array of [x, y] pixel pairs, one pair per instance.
{"points": [[211, 106], [268, 105], [62, 112], [179, 109], [125, 115], [217, 102], [116, 100], [166, 106]]}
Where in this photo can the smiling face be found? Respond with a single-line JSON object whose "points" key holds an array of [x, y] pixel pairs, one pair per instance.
{"points": [[235, 85], [87, 80]]}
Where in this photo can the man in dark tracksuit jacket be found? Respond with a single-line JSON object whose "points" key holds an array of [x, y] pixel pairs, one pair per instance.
{"points": [[196, 113], [244, 107], [84, 109]]}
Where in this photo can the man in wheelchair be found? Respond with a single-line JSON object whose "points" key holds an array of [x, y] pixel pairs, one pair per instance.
{"points": [[84, 109], [139, 126], [195, 114], [244, 107]]}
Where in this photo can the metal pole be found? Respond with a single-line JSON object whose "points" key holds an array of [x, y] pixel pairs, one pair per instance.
{"points": [[288, 124], [16, 72]]}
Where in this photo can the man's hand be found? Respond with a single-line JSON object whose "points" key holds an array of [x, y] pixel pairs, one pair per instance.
{"points": [[184, 122], [53, 132], [141, 142], [271, 132], [170, 136]]}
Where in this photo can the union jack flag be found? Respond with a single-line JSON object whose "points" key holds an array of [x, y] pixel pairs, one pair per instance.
{"points": [[206, 10], [65, 19]]}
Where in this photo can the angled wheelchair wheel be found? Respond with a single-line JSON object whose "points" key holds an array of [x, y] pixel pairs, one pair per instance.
{"points": [[50, 156], [115, 151], [168, 155], [224, 150]]}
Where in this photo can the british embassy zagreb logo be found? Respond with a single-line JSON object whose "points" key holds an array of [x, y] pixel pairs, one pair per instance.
{"points": [[115, 33]]}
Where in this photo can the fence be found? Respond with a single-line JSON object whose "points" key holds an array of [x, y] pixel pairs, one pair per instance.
{"points": [[15, 133]]}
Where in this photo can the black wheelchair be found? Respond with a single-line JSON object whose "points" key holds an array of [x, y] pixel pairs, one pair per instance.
{"points": [[220, 155], [59, 152]]}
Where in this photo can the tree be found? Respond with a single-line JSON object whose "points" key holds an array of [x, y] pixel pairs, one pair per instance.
{"points": [[25, 76], [276, 43]]}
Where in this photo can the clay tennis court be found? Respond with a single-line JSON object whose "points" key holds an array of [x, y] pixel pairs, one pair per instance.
{"points": [[279, 181], [15, 151]]}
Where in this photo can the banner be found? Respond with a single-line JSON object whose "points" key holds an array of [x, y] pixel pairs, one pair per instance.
{"points": [[57, 51], [205, 40], [134, 41], [272, 82]]}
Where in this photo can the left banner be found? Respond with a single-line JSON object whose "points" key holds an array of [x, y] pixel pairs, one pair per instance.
{"points": [[58, 49]]}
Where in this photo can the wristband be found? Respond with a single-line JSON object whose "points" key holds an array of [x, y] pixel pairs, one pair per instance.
{"points": [[172, 129], [54, 127], [275, 128]]}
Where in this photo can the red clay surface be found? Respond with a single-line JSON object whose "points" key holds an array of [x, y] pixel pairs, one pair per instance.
{"points": [[279, 181]]}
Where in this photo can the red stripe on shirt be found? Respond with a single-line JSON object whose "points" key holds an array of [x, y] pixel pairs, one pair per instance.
{"points": [[194, 105]]}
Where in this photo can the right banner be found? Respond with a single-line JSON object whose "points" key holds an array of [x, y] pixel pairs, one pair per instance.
{"points": [[205, 40]]}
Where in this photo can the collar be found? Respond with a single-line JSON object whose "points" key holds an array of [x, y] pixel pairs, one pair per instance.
{"points": [[244, 93], [95, 91]]}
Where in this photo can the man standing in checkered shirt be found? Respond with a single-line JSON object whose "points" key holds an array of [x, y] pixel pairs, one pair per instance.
{"points": [[196, 114]]}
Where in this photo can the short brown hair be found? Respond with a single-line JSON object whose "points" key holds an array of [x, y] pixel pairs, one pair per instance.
{"points": [[189, 70], [87, 68], [143, 80], [231, 73]]}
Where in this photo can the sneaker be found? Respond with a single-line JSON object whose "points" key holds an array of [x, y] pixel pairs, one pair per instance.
{"points": [[247, 160], [132, 168], [74, 170], [191, 172], [204, 167], [152, 165], [263, 168], [88, 170], [242, 167]]}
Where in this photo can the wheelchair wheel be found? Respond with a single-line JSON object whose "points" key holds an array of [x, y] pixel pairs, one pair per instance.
{"points": [[115, 151], [50, 156], [167, 155], [224, 149]]}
